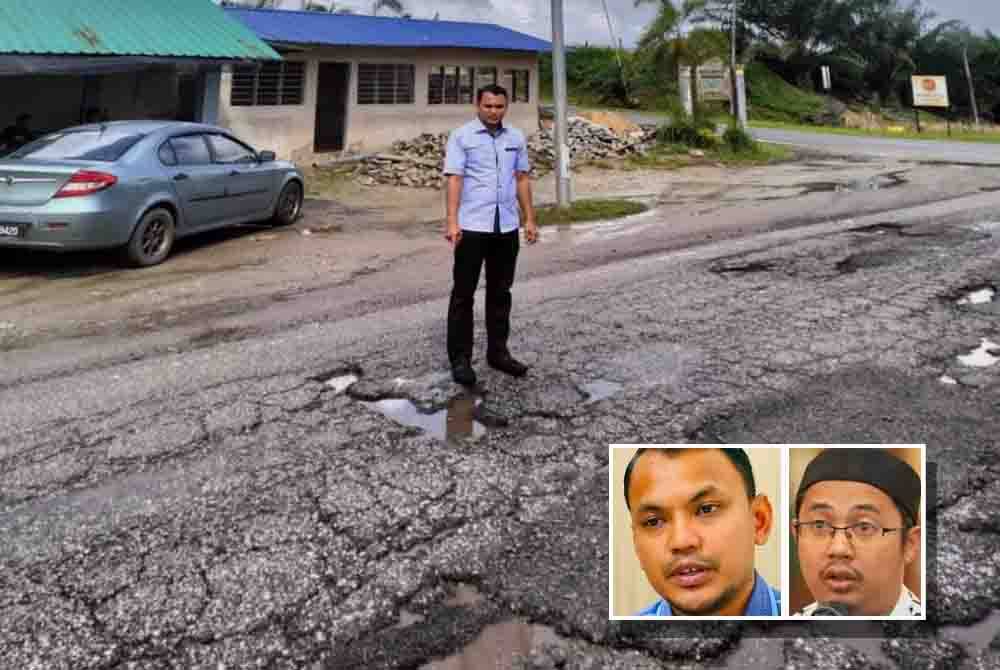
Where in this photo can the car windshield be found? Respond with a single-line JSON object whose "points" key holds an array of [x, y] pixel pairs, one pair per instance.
{"points": [[103, 144]]}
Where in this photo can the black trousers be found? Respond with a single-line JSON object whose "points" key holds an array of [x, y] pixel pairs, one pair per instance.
{"points": [[499, 252]]}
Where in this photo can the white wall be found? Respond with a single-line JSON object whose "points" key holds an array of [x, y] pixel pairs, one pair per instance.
{"points": [[290, 130]]}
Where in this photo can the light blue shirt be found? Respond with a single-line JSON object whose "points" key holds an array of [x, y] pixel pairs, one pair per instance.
{"points": [[488, 167], [764, 601]]}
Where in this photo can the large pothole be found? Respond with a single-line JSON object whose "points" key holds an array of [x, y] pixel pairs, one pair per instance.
{"points": [[456, 422]]}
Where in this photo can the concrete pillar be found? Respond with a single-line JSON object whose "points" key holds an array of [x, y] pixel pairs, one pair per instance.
{"points": [[684, 83], [741, 97], [211, 83]]}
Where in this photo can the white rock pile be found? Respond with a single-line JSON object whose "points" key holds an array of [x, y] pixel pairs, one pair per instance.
{"points": [[419, 162]]}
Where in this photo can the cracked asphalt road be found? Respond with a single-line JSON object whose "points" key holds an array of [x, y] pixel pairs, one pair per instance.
{"points": [[222, 507]]}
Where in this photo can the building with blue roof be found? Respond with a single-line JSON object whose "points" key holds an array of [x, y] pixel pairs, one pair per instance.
{"points": [[359, 83]]}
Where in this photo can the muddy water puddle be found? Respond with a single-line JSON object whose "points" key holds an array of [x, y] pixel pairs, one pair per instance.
{"points": [[877, 183], [457, 421], [600, 389], [498, 647]]}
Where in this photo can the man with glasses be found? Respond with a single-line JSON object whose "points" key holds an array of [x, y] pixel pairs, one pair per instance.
{"points": [[856, 530]]}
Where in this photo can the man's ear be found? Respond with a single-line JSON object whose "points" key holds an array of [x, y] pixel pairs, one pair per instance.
{"points": [[763, 518], [911, 546]]}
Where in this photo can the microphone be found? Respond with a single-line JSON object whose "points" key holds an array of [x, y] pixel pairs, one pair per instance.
{"points": [[831, 609]]}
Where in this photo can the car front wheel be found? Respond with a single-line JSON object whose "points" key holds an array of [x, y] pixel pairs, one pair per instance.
{"points": [[289, 204], [152, 239]]}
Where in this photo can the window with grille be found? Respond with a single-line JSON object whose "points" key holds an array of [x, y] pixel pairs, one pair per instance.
{"points": [[485, 76], [280, 83], [385, 84], [457, 85], [518, 84]]}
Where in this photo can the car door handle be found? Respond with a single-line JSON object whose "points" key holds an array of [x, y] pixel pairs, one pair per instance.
{"points": [[180, 176], [235, 173]]}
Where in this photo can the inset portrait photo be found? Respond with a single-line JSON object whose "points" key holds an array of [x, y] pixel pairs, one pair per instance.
{"points": [[857, 544], [694, 531]]}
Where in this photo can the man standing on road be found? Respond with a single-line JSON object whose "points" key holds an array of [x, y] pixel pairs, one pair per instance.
{"points": [[856, 529], [488, 178]]}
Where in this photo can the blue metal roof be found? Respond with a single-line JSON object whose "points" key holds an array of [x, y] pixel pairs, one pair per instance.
{"points": [[320, 28]]}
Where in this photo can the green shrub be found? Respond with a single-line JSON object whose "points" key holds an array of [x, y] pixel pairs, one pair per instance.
{"points": [[695, 133], [739, 140]]}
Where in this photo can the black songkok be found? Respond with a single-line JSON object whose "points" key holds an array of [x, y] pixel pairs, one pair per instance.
{"points": [[876, 467]]}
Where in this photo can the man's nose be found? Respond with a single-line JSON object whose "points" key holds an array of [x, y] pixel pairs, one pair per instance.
{"points": [[683, 536], [840, 544]]}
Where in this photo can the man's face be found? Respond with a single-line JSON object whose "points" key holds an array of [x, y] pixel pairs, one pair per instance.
{"points": [[864, 574], [694, 529], [492, 109]]}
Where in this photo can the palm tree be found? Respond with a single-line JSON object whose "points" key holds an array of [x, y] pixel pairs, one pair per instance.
{"points": [[395, 6]]}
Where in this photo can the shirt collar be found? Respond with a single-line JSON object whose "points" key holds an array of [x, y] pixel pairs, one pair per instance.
{"points": [[907, 605], [481, 127], [758, 605]]}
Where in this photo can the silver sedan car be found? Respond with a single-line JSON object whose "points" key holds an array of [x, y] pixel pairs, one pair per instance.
{"points": [[139, 185]]}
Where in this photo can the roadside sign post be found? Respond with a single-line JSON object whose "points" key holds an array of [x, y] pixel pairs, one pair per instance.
{"points": [[827, 84], [930, 91]]}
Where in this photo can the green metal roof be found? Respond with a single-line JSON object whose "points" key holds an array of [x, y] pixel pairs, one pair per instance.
{"points": [[163, 28]]}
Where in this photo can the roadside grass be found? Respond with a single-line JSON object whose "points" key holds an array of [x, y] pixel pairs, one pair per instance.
{"points": [[774, 99], [677, 156], [988, 137], [582, 211], [326, 182]]}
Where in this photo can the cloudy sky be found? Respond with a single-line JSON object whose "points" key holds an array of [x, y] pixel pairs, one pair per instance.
{"points": [[585, 20]]}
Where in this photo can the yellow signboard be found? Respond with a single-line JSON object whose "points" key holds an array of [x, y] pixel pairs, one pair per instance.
{"points": [[930, 91]]}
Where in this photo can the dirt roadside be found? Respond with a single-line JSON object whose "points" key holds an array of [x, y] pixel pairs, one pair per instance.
{"points": [[349, 231]]}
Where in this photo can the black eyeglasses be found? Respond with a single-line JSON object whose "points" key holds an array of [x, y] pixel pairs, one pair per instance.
{"points": [[824, 530]]}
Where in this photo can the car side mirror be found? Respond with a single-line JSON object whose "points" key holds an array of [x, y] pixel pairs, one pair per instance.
{"points": [[266, 156]]}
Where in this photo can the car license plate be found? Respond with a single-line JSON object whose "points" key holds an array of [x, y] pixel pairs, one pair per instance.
{"points": [[10, 230]]}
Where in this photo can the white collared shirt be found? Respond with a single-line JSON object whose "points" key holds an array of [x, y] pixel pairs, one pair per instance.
{"points": [[907, 605]]}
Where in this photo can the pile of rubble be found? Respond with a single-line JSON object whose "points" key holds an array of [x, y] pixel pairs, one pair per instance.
{"points": [[420, 162]]}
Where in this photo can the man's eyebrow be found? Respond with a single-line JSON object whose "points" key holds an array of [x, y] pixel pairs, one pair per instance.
{"points": [[821, 507], [704, 492], [866, 507], [648, 507]]}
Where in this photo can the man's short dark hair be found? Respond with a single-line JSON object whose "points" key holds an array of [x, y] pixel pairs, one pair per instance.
{"points": [[493, 89], [737, 457]]}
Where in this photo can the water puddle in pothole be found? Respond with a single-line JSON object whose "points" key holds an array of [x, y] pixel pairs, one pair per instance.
{"points": [[496, 647], [977, 637], [454, 422], [981, 356], [341, 383], [950, 381], [600, 389], [877, 183], [980, 296]]}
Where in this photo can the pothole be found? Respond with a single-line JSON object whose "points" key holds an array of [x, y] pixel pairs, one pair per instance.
{"points": [[981, 356], [742, 268], [980, 296], [977, 637], [457, 421], [499, 647], [600, 389], [871, 260], [877, 183], [341, 383], [880, 228]]}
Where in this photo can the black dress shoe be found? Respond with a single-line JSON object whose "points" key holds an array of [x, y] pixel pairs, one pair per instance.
{"points": [[507, 363], [462, 372]]}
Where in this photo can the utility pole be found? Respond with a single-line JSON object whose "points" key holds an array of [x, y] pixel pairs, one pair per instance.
{"points": [[559, 89], [972, 88], [732, 65]]}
